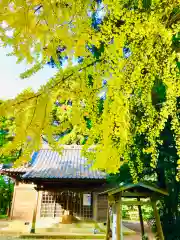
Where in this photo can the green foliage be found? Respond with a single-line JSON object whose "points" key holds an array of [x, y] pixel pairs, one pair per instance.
{"points": [[147, 212], [150, 33], [6, 184], [123, 176], [142, 89], [62, 121], [167, 172], [125, 211], [164, 175], [6, 192], [7, 129], [3, 216]]}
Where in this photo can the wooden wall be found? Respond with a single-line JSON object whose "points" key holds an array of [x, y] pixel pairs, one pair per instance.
{"points": [[23, 202], [25, 197], [102, 205]]}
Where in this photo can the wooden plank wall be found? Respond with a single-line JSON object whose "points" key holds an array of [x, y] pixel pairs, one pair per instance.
{"points": [[102, 205], [24, 200]]}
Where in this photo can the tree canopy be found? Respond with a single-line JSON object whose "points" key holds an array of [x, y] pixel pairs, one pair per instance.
{"points": [[148, 30], [7, 127]]}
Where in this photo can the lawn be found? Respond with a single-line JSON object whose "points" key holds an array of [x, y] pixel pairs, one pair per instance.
{"points": [[3, 216]]}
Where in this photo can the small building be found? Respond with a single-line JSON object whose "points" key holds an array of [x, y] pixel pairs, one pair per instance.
{"points": [[53, 185], [139, 194]]}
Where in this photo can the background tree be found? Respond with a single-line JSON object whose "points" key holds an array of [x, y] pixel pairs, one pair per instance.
{"points": [[164, 175], [6, 183], [65, 132], [6, 193]]}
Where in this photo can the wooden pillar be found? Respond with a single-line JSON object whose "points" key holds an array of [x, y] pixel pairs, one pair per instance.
{"points": [[108, 223], [9, 199], [95, 206], [80, 210], [119, 235], [54, 212], [141, 219], [67, 202], [158, 222], [38, 215], [13, 200], [33, 227]]}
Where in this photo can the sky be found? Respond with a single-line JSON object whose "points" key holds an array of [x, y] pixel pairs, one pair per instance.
{"points": [[10, 82]]}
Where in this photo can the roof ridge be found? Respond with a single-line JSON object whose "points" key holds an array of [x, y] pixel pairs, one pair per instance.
{"points": [[64, 147], [71, 146]]}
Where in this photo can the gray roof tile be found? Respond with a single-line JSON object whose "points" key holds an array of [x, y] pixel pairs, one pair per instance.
{"points": [[4, 168], [49, 164]]}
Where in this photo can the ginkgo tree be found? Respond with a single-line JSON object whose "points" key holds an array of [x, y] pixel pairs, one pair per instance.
{"points": [[150, 29], [68, 134]]}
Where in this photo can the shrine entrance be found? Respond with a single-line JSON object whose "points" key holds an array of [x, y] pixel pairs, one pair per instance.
{"points": [[58, 204]]}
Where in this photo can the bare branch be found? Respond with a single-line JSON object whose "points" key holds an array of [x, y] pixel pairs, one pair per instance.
{"points": [[38, 8]]}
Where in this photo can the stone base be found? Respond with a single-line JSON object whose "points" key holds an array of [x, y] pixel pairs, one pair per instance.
{"points": [[67, 219]]}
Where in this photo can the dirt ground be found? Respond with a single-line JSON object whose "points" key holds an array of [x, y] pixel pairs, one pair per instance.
{"points": [[135, 226]]}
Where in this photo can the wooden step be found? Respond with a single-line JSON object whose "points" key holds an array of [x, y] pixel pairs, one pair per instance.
{"points": [[61, 236]]}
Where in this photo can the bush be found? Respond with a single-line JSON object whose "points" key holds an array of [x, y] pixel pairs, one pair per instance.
{"points": [[3, 216], [6, 192], [125, 212], [148, 216]]}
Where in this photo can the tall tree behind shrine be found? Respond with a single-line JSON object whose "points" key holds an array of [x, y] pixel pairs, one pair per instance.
{"points": [[150, 35]]}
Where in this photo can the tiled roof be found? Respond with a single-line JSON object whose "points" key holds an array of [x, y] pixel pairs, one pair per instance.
{"points": [[15, 170], [8, 168], [48, 164]]}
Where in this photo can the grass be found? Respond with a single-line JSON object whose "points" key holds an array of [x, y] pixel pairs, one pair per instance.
{"points": [[3, 216]]}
